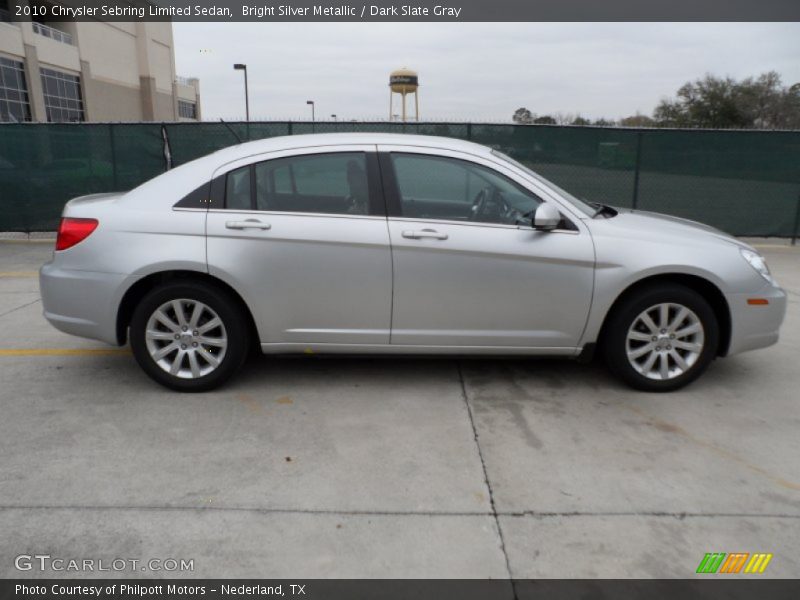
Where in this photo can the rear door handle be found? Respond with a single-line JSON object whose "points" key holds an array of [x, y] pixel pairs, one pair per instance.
{"points": [[424, 233], [248, 224]]}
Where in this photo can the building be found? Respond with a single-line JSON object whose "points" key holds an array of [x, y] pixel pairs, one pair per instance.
{"points": [[91, 71]]}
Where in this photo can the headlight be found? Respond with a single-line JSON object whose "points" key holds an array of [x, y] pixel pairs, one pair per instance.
{"points": [[759, 264]]}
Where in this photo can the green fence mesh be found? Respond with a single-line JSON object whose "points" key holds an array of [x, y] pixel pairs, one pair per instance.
{"points": [[43, 166], [743, 182]]}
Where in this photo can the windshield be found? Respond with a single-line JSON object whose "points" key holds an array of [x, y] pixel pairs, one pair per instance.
{"points": [[579, 204]]}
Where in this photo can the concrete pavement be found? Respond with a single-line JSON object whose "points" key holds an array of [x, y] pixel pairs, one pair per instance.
{"points": [[345, 467]]}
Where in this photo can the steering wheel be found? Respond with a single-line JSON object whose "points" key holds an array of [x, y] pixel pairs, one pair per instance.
{"points": [[488, 202]]}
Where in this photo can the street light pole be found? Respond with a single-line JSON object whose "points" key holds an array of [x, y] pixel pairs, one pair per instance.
{"points": [[311, 102], [241, 67]]}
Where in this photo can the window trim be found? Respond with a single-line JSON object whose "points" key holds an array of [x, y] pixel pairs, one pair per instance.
{"points": [[376, 205], [391, 189], [198, 198], [216, 192], [394, 199], [224, 191], [539, 188]]}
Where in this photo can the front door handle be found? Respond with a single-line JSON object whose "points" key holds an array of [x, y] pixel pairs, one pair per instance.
{"points": [[424, 233], [248, 224]]}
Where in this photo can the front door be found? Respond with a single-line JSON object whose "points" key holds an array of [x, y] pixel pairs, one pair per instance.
{"points": [[469, 270]]}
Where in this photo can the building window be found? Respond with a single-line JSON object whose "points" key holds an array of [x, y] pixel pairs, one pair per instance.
{"points": [[187, 110], [14, 103], [62, 96]]}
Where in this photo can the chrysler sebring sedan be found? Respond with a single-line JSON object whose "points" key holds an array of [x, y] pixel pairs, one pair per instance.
{"points": [[396, 244]]}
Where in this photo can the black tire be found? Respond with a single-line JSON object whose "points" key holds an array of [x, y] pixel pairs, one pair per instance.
{"points": [[226, 307], [615, 332]]}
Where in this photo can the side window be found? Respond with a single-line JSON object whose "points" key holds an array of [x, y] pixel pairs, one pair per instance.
{"points": [[433, 187], [282, 180], [197, 198], [333, 183], [237, 189]]}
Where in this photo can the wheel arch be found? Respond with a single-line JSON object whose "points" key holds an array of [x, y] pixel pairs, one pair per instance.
{"points": [[142, 287], [712, 294]]}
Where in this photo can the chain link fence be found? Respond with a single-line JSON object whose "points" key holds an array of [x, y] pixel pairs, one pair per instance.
{"points": [[743, 182]]}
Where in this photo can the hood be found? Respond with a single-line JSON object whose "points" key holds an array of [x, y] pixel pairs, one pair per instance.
{"points": [[658, 223]]}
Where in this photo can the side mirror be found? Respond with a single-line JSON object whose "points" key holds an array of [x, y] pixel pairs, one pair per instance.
{"points": [[546, 217]]}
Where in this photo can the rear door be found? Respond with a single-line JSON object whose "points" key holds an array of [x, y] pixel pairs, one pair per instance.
{"points": [[303, 236]]}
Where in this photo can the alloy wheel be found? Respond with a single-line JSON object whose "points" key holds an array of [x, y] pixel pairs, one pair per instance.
{"points": [[664, 341], [186, 338]]}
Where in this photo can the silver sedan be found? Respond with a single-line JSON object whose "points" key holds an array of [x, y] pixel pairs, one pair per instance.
{"points": [[395, 244]]}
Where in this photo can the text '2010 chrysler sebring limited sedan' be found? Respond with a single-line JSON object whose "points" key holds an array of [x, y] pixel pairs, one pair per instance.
{"points": [[379, 244]]}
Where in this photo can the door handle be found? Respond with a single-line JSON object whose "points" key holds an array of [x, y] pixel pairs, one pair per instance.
{"points": [[424, 233], [248, 224]]}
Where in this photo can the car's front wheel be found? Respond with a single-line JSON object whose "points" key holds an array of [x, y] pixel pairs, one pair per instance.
{"points": [[189, 336], [661, 338]]}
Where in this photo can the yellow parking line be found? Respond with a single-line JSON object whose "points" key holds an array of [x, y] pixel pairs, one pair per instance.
{"points": [[63, 351], [19, 274]]}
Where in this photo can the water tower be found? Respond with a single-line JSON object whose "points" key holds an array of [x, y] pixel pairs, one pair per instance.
{"points": [[404, 81]]}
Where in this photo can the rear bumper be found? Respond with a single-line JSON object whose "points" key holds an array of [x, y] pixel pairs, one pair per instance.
{"points": [[756, 326], [81, 303]]}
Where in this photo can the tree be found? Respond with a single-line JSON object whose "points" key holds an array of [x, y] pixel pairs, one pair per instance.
{"points": [[715, 102], [545, 120], [522, 116], [708, 102], [767, 104], [564, 119], [579, 120], [603, 122], [637, 120]]}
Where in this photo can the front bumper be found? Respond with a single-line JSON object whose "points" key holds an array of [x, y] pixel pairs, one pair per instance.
{"points": [[82, 303], [756, 326]]}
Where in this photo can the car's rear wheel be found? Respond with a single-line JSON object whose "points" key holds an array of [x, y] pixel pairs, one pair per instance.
{"points": [[189, 336], [661, 338]]}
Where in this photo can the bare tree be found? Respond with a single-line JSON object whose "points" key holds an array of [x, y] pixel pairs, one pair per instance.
{"points": [[637, 120]]}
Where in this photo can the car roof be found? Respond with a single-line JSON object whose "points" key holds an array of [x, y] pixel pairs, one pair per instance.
{"points": [[171, 185], [334, 139]]}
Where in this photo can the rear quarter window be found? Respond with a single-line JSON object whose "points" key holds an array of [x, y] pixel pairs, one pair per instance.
{"points": [[197, 198]]}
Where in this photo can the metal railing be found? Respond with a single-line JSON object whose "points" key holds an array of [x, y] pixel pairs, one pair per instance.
{"points": [[52, 33], [180, 80]]}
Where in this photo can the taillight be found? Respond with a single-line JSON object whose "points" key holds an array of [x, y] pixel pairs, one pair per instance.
{"points": [[72, 231]]}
